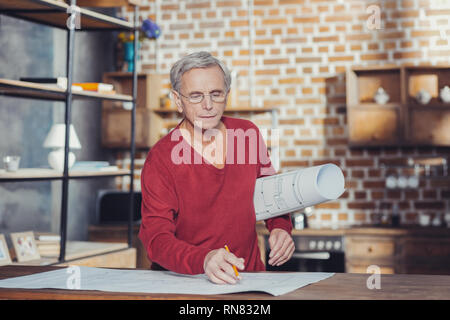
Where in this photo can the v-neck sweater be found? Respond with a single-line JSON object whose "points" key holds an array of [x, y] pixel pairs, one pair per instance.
{"points": [[190, 207]]}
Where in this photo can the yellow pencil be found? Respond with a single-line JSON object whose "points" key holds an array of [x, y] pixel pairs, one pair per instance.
{"points": [[234, 267]]}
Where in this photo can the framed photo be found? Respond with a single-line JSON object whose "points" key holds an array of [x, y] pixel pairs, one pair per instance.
{"points": [[4, 253], [25, 246]]}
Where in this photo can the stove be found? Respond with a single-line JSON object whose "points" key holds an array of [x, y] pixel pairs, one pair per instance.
{"points": [[321, 253]]}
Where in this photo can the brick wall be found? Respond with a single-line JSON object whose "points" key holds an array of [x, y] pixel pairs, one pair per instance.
{"points": [[294, 58]]}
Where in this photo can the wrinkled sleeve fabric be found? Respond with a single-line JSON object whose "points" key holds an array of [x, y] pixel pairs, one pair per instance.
{"points": [[265, 169], [157, 231]]}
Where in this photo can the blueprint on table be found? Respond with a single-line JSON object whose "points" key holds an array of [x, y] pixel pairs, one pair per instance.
{"points": [[149, 281]]}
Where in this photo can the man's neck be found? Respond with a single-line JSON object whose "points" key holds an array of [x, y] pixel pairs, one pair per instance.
{"points": [[197, 135]]}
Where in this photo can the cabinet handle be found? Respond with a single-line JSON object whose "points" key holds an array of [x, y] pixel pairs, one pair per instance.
{"points": [[369, 249]]}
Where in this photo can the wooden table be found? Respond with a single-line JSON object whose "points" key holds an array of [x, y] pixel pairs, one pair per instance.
{"points": [[341, 286]]}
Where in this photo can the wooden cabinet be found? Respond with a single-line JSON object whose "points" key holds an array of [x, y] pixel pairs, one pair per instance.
{"points": [[408, 250], [119, 233], [116, 128], [402, 120], [116, 116], [371, 123], [429, 127], [427, 124]]}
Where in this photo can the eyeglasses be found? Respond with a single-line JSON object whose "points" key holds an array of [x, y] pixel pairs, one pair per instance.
{"points": [[216, 96]]}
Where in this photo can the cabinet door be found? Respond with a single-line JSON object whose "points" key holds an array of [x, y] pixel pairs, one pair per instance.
{"points": [[373, 126], [369, 247], [364, 251], [116, 128], [362, 268], [430, 127], [427, 255]]}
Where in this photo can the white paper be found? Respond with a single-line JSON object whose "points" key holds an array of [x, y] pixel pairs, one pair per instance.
{"points": [[291, 191], [148, 281]]}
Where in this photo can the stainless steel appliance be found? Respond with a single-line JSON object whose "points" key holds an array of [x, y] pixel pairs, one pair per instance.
{"points": [[321, 253]]}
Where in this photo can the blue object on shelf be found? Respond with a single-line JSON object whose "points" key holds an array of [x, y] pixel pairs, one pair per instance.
{"points": [[129, 55], [151, 29]]}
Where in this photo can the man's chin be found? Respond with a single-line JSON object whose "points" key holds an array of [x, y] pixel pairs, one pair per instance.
{"points": [[207, 123]]}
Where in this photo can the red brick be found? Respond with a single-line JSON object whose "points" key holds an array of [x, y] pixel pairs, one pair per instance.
{"points": [[305, 142], [359, 162], [429, 205], [228, 3], [294, 163], [263, 2], [313, 19], [198, 5], [377, 184], [375, 56], [291, 121], [359, 37], [274, 21], [329, 205], [338, 18], [308, 59], [424, 33], [340, 58], [239, 23], [267, 72], [361, 205], [291, 81], [276, 61], [360, 217], [326, 39], [359, 195], [282, 2]]}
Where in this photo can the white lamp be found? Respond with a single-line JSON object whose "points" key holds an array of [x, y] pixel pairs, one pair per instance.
{"points": [[56, 139]]}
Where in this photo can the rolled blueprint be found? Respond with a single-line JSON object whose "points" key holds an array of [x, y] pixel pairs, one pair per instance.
{"points": [[291, 191]]}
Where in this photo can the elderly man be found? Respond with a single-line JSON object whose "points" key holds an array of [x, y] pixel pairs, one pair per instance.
{"points": [[198, 183]]}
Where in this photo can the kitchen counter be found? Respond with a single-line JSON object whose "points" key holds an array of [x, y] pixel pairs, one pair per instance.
{"points": [[404, 250], [365, 230]]}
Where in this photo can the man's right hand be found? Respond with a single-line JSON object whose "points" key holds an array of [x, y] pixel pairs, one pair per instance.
{"points": [[218, 266]]}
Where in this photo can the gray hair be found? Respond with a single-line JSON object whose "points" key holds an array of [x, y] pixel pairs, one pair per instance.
{"points": [[194, 60]]}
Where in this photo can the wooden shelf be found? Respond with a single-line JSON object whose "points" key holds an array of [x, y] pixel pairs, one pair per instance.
{"points": [[54, 13], [108, 3], [227, 110], [390, 105], [33, 90], [78, 250], [437, 105], [49, 174], [402, 121]]}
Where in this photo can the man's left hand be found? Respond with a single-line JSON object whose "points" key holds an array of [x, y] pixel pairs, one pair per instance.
{"points": [[281, 247]]}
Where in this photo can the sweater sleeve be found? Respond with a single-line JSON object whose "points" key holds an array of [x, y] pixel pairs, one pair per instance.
{"points": [[157, 231], [265, 168]]}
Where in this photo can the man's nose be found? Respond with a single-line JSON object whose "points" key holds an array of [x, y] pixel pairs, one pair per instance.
{"points": [[207, 102]]}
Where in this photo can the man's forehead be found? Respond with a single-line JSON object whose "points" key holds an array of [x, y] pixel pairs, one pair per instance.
{"points": [[201, 78]]}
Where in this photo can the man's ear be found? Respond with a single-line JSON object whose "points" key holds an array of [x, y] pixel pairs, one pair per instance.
{"points": [[177, 100]]}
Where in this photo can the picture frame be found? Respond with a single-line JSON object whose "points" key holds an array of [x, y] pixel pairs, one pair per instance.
{"points": [[5, 258], [25, 246]]}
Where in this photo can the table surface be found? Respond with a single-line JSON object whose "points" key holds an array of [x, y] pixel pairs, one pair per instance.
{"points": [[341, 286]]}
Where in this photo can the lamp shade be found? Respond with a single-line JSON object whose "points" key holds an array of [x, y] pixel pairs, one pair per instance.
{"points": [[57, 136]]}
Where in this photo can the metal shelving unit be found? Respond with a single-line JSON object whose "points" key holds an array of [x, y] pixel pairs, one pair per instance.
{"points": [[56, 14]]}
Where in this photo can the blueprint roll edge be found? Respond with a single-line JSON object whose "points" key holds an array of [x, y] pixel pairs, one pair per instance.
{"points": [[294, 190]]}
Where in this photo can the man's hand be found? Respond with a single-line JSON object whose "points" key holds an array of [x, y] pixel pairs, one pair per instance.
{"points": [[218, 266], [281, 247]]}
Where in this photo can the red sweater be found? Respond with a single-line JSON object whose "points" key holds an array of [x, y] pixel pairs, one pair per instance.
{"points": [[189, 209]]}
